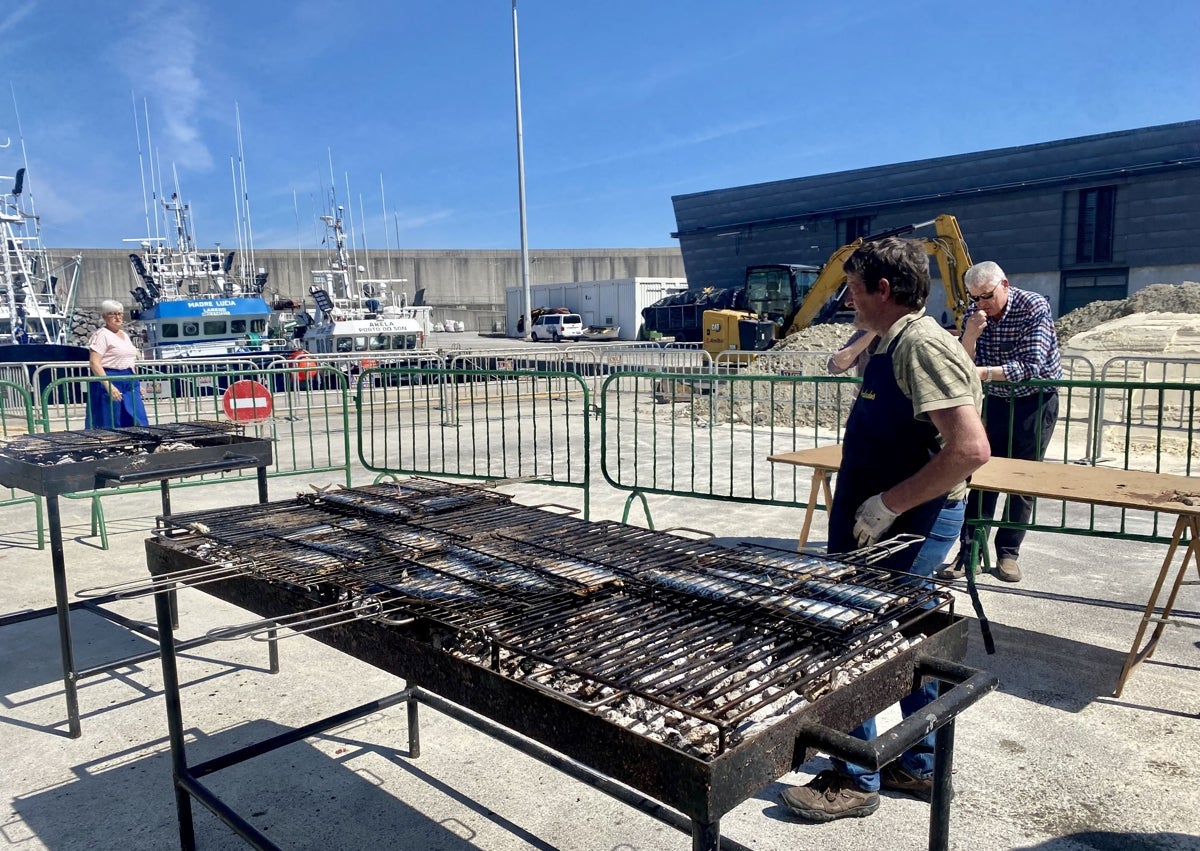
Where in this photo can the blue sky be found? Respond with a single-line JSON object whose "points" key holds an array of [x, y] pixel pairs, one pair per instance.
{"points": [[625, 104]]}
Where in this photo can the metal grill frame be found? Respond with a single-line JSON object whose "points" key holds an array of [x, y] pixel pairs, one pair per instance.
{"points": [[703, 790], [52, 481]]}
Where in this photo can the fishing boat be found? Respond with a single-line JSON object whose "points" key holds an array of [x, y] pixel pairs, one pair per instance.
{"points": [[366, 321], [197, 304], [36, 300]]}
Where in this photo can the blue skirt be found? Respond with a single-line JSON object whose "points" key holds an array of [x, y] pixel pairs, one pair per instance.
{"points": [[104, 412]]}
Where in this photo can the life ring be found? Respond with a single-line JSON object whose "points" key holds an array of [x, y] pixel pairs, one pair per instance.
{"points": [[305, 366]]}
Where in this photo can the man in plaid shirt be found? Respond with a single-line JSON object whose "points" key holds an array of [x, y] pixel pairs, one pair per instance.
{"points": [[1009, 334]]}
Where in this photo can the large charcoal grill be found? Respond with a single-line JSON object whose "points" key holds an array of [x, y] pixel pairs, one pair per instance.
{"points": [[54, 463], [691, 672]]}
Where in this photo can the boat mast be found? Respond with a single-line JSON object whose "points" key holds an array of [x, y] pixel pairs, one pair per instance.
{"points": [[387, 242], [141, 163], [247, 265]]}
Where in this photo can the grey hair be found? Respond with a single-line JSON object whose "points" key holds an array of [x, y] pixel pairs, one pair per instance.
{"points": [[982, 274], [111, 306]]}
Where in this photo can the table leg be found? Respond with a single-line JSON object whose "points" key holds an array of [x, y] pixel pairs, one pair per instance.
{"points": [[1190, 551], [818, 478]]}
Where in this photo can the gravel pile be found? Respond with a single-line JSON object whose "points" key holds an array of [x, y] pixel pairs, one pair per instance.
{"points": [[817, 338], [1156, 298]]}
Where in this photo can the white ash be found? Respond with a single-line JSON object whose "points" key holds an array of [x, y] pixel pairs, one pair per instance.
{"points": [[176, 446]]}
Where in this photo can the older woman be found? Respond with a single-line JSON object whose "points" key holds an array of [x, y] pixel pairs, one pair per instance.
{"points": [[116, 401]]}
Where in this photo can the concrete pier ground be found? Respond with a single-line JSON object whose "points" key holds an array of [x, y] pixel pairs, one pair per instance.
{"points": [[1050, 761]]}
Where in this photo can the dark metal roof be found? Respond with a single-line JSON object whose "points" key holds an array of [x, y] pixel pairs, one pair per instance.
{"points": [[1086, 159]]}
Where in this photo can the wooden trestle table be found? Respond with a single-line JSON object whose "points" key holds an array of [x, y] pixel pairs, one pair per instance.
{"points": [[1129, 489]]}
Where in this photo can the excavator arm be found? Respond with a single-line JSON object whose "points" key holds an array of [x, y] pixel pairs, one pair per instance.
{"points": [[948, 248]]}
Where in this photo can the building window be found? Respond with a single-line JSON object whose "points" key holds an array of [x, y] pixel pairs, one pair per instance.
{"points": [[1094, 238], [1083, 288], [856, 227]]}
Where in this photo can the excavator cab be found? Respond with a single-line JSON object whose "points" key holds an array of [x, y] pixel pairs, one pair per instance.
{"points": [[772, 294]]}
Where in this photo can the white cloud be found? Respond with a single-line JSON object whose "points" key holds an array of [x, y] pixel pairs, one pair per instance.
{"points": [[14, 16], [160, 58]]}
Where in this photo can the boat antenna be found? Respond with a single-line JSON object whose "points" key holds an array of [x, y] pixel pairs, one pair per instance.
{"points": [[332, 180], [137, 132], [299, 244], [350, 212], [237, 218], [155, 177], [24, 159], [182, 222], [245, 195], [386, 240], [362, 218]]}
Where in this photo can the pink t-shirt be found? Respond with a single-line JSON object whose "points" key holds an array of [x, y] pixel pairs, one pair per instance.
{"points": [[116, 351]]}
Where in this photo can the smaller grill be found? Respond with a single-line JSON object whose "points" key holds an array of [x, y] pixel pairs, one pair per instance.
{"points": [[66, 462], [80, 460]]}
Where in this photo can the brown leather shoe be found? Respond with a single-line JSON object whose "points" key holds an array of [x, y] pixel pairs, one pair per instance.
{"points": [[958, 570], [829, 796], [897, 779], [1008, 570]]}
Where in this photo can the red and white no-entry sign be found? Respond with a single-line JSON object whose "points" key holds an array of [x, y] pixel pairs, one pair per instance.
{"points": [[247, 402]]}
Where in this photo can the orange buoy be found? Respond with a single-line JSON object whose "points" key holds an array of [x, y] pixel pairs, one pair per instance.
{"points": [[306, 367]]}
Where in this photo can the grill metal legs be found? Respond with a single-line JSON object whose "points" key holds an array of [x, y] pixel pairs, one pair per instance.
{"points": [[62, 605]]}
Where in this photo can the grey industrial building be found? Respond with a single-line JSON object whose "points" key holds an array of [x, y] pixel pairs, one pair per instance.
{"points": [[1096, 217], [464, 285]]}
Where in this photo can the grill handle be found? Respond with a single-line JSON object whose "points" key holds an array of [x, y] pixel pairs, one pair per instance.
{"points": [[969, 686], [229, 461]]}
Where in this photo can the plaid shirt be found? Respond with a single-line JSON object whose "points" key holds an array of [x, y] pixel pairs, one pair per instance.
{"points": [[1023, 341]]}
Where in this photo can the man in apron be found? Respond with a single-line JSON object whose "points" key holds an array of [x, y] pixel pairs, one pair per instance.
{"points": [[913, 437]]}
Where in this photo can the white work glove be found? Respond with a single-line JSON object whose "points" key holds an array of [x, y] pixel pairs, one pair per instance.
{"points": [[872, 519]]}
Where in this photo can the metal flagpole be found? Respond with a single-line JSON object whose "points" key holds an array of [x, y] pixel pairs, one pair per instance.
{"points": [[521, 176]]}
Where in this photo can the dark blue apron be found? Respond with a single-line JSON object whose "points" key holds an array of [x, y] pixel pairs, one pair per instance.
{"points": [[884, 444]]}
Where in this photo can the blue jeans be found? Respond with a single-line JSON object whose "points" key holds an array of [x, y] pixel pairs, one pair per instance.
{"points": [[917, 760]]}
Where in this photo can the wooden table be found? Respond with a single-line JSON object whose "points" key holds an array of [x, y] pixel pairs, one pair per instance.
{"points": [[1128, 489]]}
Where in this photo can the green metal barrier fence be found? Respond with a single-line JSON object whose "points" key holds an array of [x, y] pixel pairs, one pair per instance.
{"points": [[683, 434], [309, 420], [528, 425], [16, 418]]}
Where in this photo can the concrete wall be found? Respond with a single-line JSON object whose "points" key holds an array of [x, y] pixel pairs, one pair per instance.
{"points": [[464, 285]]}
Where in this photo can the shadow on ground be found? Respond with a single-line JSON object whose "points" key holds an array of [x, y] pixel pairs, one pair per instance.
{"points": [[299, 796]]}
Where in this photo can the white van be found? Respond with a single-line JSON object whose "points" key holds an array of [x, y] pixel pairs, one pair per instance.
{"points": [[557, 326]]}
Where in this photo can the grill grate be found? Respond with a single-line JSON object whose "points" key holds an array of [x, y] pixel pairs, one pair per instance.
{"points": [[60, 447], [695, 640]]}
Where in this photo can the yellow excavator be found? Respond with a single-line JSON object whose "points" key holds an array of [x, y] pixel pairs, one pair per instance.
{"points": [[761, 327]]}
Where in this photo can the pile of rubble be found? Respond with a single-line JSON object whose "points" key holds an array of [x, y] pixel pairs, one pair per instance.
{"points": [[1159, 318], [1157, 298]]}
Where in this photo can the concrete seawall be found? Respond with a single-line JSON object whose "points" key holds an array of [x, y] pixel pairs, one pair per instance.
{"points": [[467, 285]]}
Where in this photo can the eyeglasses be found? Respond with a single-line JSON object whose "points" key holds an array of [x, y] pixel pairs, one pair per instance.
{"points": [[118, 313], [988, 296]]}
